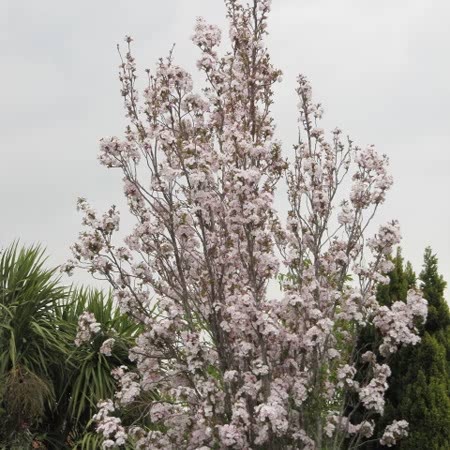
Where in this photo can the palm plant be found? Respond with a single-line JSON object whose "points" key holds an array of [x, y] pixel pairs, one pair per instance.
{"points": [[31, 348], [90, 380], [49, 387]]}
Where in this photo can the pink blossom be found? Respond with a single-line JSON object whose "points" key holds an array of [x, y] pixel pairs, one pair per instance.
{"points": [[232, 366], [393, 432], [107, 346], [87, 328]]}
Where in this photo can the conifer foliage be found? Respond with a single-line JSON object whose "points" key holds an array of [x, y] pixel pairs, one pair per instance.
{"points": [[420, 384], [419, 387]]}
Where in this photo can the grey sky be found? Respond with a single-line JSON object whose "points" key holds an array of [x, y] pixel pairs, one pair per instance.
{"points": [[381, 69]]}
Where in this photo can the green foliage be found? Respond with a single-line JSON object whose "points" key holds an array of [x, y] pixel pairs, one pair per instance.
{"points": [[30, 349], [399, 282], [92, 381], [425, 401], [433, 287], [424, 379], [49, 388], [419, 388]]}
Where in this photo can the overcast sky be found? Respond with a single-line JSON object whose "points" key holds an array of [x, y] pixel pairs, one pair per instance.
{"points": [[381, 69]]}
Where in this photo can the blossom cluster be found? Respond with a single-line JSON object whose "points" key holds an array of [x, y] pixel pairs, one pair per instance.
{"points": [[107, 346], [397, 323], [110, 427], [395, 431], [88, 327]]}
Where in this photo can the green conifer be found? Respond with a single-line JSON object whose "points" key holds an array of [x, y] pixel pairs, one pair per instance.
{"points": [[419, 387], [424, 371]]}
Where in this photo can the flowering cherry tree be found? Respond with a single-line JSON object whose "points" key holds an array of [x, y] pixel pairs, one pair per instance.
{"points": [[233, 368]]}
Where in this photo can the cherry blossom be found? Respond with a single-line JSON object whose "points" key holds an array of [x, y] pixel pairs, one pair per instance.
{"points": [[107, 346], [393, 432], [220, 362], [88, 327]]}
